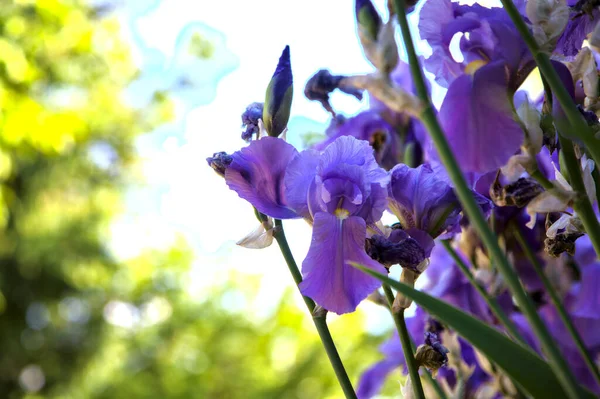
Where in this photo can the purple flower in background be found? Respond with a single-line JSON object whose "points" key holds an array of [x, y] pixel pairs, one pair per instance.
{"points": [[477, 112], [369, 126], [422, 201], [342, 190], [477, 116], [278, 98], [256, 174], [583, 18], [445, 281], [250, 119]]}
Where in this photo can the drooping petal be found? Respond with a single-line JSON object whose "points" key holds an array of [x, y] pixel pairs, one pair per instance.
{"points": [[329, 279], [299, 177], [257, 172], [477, 118]]}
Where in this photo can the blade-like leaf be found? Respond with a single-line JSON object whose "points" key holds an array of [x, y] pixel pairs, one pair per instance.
{"points": [[523, 365]]}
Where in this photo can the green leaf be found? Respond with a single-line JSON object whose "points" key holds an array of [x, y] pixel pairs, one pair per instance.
{"points": [[521, 364]]}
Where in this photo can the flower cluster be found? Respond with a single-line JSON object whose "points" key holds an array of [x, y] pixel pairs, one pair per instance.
{"points": [[537, 189]]}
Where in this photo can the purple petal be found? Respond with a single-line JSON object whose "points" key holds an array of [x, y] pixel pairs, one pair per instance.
{"points": [[575, 32], [477, 118], [369, 126], [328, 277], [373, 378], [423, 201], [299, 177], [256, 174], [350, 165], [588, 298]]}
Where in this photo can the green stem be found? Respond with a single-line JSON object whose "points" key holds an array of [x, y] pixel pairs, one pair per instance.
{"points": [[540, 178], [407, 348], [491, 302], [318, 315], [476, 218], [582, 204], [579, 127], [562, 312], [596, 176]]}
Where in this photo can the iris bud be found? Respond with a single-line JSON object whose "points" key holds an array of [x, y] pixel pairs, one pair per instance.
{"points": [[278, 98], [367, 19]]}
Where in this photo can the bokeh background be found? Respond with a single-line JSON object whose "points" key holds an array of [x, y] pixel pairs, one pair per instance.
{"points": [[119, 273]]}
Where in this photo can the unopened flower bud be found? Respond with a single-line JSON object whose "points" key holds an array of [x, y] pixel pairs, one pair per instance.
{"points": [[250, 119], [518, 193], [219, 162], [278, 98], [367, 19]]}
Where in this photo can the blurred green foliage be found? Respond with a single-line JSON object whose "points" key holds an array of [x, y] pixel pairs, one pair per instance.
{"points": [[74, 321]]}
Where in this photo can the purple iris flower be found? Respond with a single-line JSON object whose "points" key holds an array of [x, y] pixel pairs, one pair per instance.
{"points": [[256, 173], [369, 126], [342, 190], [477, 112], [425, 204]]}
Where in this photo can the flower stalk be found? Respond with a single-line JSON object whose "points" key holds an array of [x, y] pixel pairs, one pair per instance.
{"points": [[557, 362], [411, 363], [318, 315]]}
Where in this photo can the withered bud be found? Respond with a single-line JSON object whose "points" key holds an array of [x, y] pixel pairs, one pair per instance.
{"points": [[432, 354], [518, 193], [220, 161], [322, 84], [563, 242]]}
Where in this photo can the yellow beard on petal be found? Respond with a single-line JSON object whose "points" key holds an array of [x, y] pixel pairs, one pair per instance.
{"points": [[341, 213], [473, 66]]}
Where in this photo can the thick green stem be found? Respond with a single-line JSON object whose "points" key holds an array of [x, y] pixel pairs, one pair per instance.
{"points": [[582, 204], [476, 218], [491, 302], [318, 315], [579, 127], [409, 357], [562, 312]]}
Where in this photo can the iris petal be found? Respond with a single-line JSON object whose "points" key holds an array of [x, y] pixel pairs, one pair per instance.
{"points": [[329, 279]]}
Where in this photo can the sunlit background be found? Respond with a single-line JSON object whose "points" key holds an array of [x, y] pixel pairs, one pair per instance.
{"points": [[120, 275]]}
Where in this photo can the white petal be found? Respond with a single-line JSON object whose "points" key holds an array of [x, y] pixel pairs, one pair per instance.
{"points": [[560, 224], [259, 238]]}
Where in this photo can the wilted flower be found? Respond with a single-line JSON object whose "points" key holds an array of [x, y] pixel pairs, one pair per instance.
{"points": [[250, 120]]}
